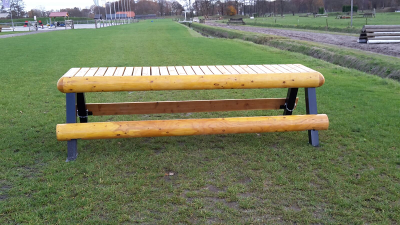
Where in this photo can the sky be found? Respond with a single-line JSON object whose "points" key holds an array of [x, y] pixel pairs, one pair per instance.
{"points": [[57, 4]]}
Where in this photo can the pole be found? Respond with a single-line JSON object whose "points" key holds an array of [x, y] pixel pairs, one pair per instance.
{"points": [[351, 13], [12, 22]]}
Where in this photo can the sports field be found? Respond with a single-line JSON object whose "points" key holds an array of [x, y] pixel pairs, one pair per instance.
{"points": [[353, 178]]}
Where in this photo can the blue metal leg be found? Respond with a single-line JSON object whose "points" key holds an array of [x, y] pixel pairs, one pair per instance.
{"points": [[311, 108], [71, 118]]}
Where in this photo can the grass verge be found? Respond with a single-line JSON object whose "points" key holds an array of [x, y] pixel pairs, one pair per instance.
{"points": [[383, 66]]}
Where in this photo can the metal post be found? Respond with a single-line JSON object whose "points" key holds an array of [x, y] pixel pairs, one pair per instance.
{"points": [[311, 108], [71, 118], [290, 103], [81, 105], [351, 13]]}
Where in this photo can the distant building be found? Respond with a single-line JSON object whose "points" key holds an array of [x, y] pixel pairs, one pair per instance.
{"points": [[59, 14], [98, 17], [4, 15], [129, 14], [148, 16]]}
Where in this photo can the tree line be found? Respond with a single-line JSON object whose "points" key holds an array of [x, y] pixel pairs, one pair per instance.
{"points": [[206, 7]]}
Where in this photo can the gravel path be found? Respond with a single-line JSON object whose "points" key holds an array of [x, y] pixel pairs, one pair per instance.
{"points": [[333, 39], [27, 33]]}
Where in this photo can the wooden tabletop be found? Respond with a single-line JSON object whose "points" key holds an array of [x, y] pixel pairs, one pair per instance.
{"points": [[186, 70]]}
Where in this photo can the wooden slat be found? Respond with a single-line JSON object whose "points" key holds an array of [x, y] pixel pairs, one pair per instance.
{"points": [[158, 128], [189, 70], [273, 69], [305, 68], [223, 70], [255, 68], [301, 70], [137, 71], [91, 72], [119, 71], [82, 72], [172, 70], [101, 109], [248, 69], [263, 68], [205, 70], [146, 71], [164, 70], [180, 70], [128, 71], [214, 70], [71, 72], [281, 68], [231, 70], [155, 71], [292, 70], [197, 70], [239, 69], [110, 72], [101, 71]]}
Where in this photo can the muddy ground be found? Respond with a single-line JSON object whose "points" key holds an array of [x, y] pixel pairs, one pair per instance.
{"points": [[327, 38]]}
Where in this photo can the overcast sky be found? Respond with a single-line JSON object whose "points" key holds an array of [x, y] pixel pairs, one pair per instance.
{"points": [[57, 4]]}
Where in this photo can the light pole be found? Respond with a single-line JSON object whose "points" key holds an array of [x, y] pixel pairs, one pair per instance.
{"points": [[351, 13]]}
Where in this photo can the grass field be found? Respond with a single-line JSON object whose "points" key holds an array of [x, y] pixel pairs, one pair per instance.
{"points": [[353, 178], [320, 23]]}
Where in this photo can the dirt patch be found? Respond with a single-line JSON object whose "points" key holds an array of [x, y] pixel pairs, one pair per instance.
{"points": [[333, 39]]}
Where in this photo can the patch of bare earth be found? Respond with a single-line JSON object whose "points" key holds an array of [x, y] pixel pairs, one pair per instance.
{"points": [[332, 39]]}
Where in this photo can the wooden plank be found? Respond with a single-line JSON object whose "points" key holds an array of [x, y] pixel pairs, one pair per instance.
{"points": [[128, 108], [146, 71], [248, 69], [256, 69], [155, 71], [71, 72], [128, 71], [189, 70], [281, 68], [137, 71], [383, 34], [261, 67], [197, 70], [172, 70], [101, 71], [239, 81], [214, 70], [231, 70], [205, 70], [240, 69], [273, 69], [223, 70], [158, 128], [301, 70], [119, 72], [110, 72], [91, 72], [164, 70], [180, 70], [292, 70], [305, 68], [82, 72]]}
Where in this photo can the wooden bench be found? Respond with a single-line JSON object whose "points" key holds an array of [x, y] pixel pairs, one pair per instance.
{"points": [[380, 34], [236, 21], [78, 81]]}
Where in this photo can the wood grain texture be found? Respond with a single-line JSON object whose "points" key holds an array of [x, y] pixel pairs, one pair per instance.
{"points": [[126, 108], [158, 128], [189, 82]]}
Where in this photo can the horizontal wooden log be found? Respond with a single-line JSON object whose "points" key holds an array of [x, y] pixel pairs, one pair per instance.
{"points": [[385, 38], [126, 108], [189, 82], [381, 27], [381, 30], [382, 34], [158, 128]]}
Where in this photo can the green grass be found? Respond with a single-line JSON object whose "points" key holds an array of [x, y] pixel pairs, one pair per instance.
{"points": [[319, 23], [353, 178]]}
